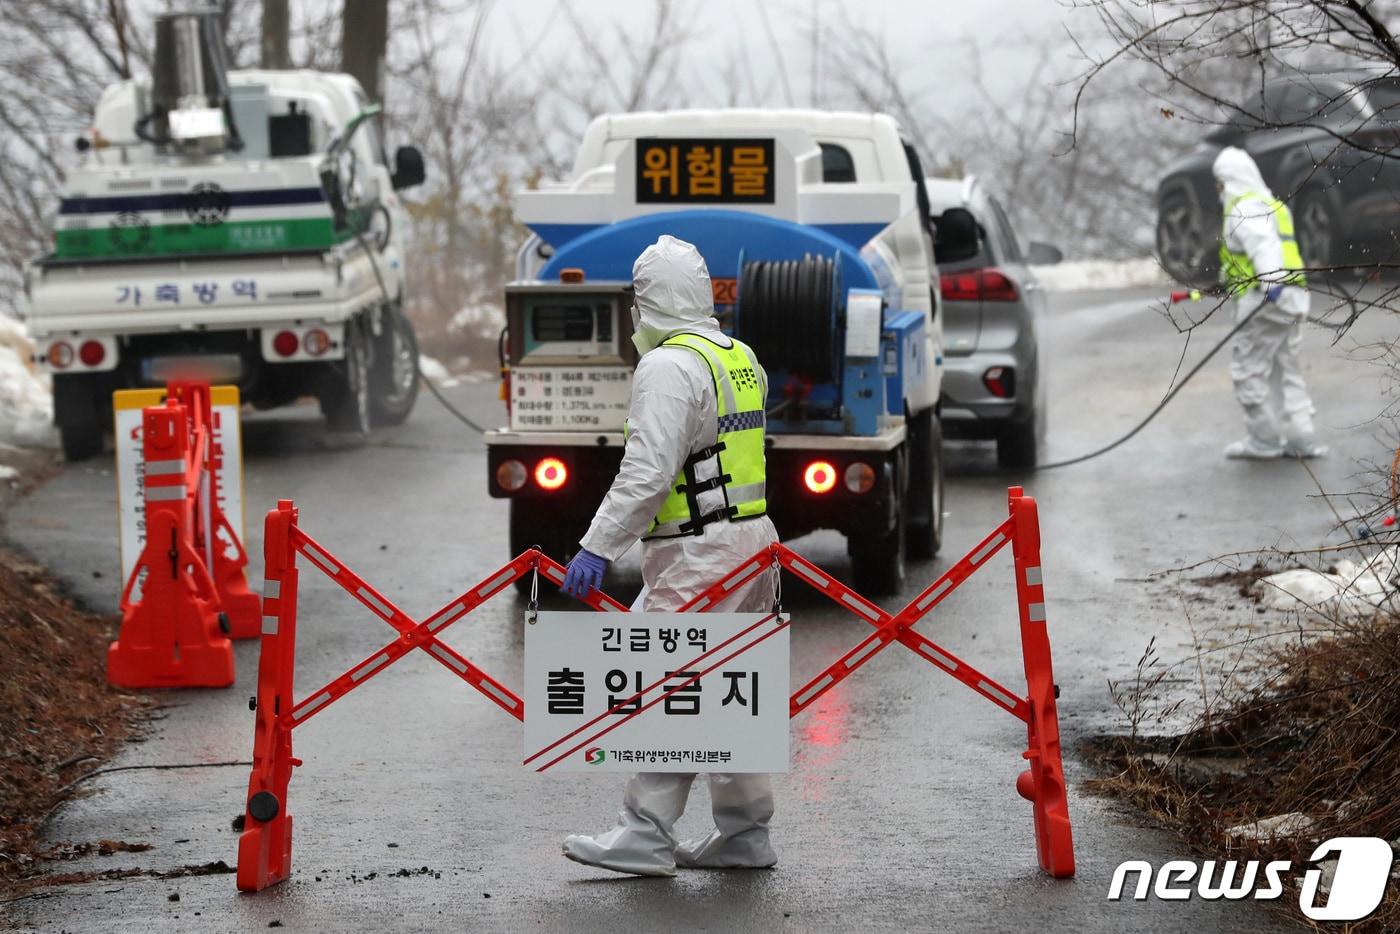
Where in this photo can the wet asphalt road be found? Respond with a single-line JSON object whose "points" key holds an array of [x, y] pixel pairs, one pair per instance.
{"points": [[899, 811]]}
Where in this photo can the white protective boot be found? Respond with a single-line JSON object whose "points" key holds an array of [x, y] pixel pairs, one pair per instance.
{"points": [[642, 843], [1300, 440], [743, 805], [1262, 440]]}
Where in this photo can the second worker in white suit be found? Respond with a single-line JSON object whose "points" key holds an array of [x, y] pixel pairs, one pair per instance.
{"points": [[691, 487], [1260, 265]]}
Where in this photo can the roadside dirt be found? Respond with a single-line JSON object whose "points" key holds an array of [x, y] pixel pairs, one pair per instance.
{"points": [[59, 720]]}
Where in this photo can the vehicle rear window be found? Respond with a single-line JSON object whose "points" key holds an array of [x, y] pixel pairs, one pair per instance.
{"points": [[562, 323], [837, 164]]}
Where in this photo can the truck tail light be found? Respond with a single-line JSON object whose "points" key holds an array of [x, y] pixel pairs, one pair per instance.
{"points": [[511, 475], [1000, 381], [286, 343], [973, 285], [92, 353], [60, 355], [551, 474], [315, 343], [860, 477], [820, 477]]}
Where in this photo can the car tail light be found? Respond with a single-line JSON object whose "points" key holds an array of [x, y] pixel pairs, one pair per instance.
{"points": [[1000, 381], [860, 477], [60, 355], [315, 343], [551, 473], [972, 285], [92, 353], [819, 477], [511, 475], [286, 344]]}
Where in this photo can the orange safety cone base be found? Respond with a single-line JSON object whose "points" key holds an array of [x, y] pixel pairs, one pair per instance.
{"points": [[198, 666]]}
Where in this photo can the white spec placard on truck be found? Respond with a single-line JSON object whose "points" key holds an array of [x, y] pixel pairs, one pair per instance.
{"points": [[564, 398], [864, 319], [131, 465], [581, 666]]}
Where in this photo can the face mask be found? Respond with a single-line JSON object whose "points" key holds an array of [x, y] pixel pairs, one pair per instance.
{"points": [[644, 338]]}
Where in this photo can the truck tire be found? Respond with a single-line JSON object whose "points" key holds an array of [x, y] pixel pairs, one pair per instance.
{"points": [[346, 401], [1018, 445], [877, 560], [393, 374], [77, 411], [925, 531], [539, 523]]}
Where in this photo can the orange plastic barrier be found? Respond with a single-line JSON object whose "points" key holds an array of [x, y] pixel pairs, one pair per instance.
{"points": [[186, 594], [264, 848]]}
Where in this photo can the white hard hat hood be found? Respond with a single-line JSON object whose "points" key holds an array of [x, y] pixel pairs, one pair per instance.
{"points": [[1238, 175], [672, 285]]}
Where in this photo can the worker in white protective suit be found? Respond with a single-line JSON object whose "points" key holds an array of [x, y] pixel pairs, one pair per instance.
{"points": [[1262, 267], [696, 420]]}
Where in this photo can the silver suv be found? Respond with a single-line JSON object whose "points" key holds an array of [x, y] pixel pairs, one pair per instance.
{"points": [[993, 381]]}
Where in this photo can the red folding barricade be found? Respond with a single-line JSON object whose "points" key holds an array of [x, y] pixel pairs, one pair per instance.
{"points": [[264, 854], [172, 634], [219, 546]]}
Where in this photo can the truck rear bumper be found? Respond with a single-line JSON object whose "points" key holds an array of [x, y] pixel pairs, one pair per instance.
{"points": [[592, 459], [887, 440]]}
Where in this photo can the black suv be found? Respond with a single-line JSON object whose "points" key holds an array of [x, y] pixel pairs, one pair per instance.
{"points": [[1328, 145]]}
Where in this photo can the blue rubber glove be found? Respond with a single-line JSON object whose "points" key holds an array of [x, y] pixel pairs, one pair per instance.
{"points": [[1274, 291], [584, 574]]}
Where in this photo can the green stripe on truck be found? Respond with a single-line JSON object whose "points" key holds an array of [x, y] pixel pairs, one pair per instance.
{"points": [[139, 240]]}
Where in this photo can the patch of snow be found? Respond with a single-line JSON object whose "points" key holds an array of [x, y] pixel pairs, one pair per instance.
{"points": [[26, 401], [1090, 274], [1292, 824], [8, 473], [482, 317], [1349, 591], [435, 372]]}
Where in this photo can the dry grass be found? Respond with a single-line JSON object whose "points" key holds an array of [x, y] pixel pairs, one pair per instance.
{"points": [[1320, 739]]}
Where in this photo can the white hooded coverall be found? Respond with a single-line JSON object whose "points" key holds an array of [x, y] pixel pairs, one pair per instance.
{"points": [[1264, 365], [673, 412]]}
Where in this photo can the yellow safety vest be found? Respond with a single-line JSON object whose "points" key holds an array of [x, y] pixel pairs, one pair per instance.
{"points": [[1237, 269], [737, 451]]}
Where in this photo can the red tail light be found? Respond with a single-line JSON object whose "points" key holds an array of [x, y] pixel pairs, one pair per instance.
{"points": [[1000, 381], [551, 474], [92, 353], [820, 477], [972, 285], [286, 343]]}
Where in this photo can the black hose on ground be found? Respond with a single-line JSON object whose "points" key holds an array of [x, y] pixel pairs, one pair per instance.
{"points": [[417, 368], [1165, 399]]}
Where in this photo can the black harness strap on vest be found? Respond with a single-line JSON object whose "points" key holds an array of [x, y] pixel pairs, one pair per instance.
{"points": [[704, 454]]}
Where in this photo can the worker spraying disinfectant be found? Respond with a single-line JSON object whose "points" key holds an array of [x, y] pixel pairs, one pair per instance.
{"points": [[1262, 267], [691, 487]]}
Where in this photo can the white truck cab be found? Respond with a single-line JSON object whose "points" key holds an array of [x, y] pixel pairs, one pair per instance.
{"points": [[247, 233]]}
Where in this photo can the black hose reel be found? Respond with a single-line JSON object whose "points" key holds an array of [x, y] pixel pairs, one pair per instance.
{"points": [[788, 312]]}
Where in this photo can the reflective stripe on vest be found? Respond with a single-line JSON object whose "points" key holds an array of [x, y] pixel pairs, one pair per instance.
{"points": [[1237, 269], [737, 453]]}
